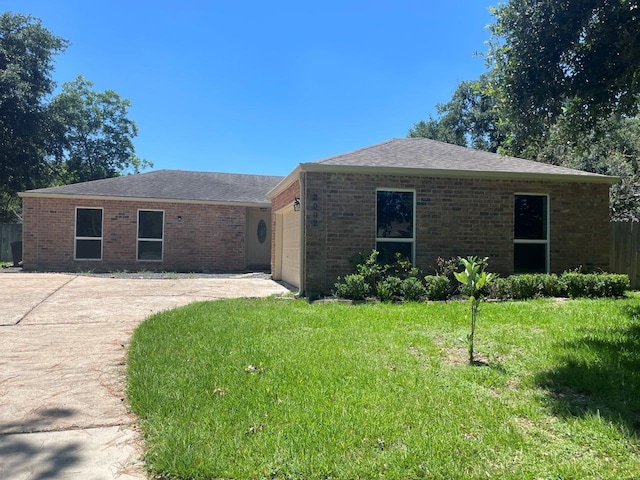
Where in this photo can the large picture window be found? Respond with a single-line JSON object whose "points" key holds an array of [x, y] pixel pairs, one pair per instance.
{"points": [[150, 235], [395, 227], [531, 234], [88, 238]]}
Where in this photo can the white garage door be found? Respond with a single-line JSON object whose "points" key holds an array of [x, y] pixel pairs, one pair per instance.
{"points": [[290, 253]]}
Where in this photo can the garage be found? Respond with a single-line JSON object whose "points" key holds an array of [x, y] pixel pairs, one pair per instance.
{"points": [[288, 256]]}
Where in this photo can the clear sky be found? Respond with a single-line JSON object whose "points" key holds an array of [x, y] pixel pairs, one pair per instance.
{"points": [[259, 86]]}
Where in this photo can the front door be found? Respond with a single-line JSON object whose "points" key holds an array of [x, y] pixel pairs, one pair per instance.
{"points": [[258, 238]]}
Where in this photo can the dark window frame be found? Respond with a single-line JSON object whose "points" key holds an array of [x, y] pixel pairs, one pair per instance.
{"points": [[406, 240], [149, 239], [87, 238], [531, 240]]}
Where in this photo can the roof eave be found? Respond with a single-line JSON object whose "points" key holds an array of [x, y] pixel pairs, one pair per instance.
{"points": [[141, 199], [450, 173], [286, 182]]}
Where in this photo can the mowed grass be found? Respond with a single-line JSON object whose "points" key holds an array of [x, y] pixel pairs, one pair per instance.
{"points": [[281, 389]]}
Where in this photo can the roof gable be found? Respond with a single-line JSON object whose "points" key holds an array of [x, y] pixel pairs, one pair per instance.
{"points": [[179, 185]]}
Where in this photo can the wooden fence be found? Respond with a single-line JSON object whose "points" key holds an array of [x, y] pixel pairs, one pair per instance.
{"points": [[9, 232], [624, 251]]}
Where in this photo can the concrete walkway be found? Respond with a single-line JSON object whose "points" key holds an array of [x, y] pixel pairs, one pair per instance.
{"points": [[63, 344]]}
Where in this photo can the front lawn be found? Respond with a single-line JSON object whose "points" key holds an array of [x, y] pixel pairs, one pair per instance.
{"points": [[281, 389]]}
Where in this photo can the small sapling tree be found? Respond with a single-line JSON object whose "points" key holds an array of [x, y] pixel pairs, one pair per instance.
{"points": [[473, 278]]}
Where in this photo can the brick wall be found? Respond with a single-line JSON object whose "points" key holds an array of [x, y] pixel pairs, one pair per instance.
{"points": [[197, 237], [453, 217]]}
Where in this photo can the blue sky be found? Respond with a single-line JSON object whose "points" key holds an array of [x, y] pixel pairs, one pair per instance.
{"points": [[260, 86]]}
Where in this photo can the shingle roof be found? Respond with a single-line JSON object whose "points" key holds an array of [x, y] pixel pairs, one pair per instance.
{"points": [[174, 185], [442, 158]]}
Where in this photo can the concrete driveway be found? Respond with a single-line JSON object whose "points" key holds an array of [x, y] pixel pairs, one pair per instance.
{"points": [[63, 344]]}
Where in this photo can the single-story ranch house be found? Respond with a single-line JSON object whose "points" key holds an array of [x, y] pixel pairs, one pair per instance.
{"points": [[422, 198]]}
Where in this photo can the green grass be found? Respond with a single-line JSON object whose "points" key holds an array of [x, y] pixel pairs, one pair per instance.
{"points": [[280, 389]]}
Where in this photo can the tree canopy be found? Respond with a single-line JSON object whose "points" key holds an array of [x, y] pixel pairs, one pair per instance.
{"points": [[562, 87], [45, 139], [97, 135], [574, 61], [26, 63]]}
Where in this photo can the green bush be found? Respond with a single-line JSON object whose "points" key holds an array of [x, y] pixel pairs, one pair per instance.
{"points": [[595, 285], [552, 286], [389, 288], [412, 289], [371, 271], [523, 287], [402, 268], [436, 287], [499, 288], [353, 287]]}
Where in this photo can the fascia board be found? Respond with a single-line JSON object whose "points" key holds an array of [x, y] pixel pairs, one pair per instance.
{"points": [[140, 199], [465, 174]]}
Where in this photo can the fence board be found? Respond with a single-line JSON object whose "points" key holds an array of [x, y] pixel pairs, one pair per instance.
{"points": [[9, 232], [624, 252]]}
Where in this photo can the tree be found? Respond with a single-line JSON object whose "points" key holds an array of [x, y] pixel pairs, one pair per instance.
{"points": [[97, 133], [26, 63], [563, 62], [612, 149], [473, 279], [469, 119]]}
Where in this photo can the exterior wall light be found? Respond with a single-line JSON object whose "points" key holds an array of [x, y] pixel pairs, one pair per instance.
{"points": [[296, 204]]}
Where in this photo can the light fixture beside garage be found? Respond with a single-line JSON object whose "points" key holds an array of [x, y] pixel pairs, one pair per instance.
{"points": [[296, 204]]}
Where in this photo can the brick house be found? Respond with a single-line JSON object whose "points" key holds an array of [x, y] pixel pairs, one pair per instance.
{"points": [[422, 198], [164, 220], [427, 199]]}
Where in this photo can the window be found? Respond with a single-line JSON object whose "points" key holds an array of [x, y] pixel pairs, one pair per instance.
{"points": [[531, 234], [88, 239], [395, 231], [150, 234]]}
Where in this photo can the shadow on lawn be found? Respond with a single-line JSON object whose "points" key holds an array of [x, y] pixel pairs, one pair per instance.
{"points": [[599, 374]]}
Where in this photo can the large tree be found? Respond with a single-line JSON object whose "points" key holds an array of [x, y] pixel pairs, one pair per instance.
{"points": [[97, 134], [468, 119], [78, 135], [563, 87], [27, 50], [569, 63]]}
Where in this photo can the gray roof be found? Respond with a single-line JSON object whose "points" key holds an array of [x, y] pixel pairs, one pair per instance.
{"points": [[438, 158], [179, 185]]}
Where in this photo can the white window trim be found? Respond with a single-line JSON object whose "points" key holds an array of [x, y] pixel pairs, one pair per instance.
{"points": [[547, 241], [411, 240], [76, 237], [138, 239]]}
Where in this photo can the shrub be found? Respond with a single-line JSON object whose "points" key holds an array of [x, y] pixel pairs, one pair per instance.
{"points": [[412, 289], [594, 285], [353, 287], [446, 267], [371, 271], [522, 287], [552, 286], [436, 287], [402, 268], [499, 288], [389, 288]]}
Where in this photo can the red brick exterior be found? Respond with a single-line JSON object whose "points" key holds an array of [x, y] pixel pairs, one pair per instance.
{"points": [[207, 238], [453, 217]]}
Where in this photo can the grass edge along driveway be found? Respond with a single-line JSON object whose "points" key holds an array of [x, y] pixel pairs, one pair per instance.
{"points": [[279, 388]]}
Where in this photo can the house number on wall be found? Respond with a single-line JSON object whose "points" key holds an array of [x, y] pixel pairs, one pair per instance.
{"points": [[314, 210]]}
